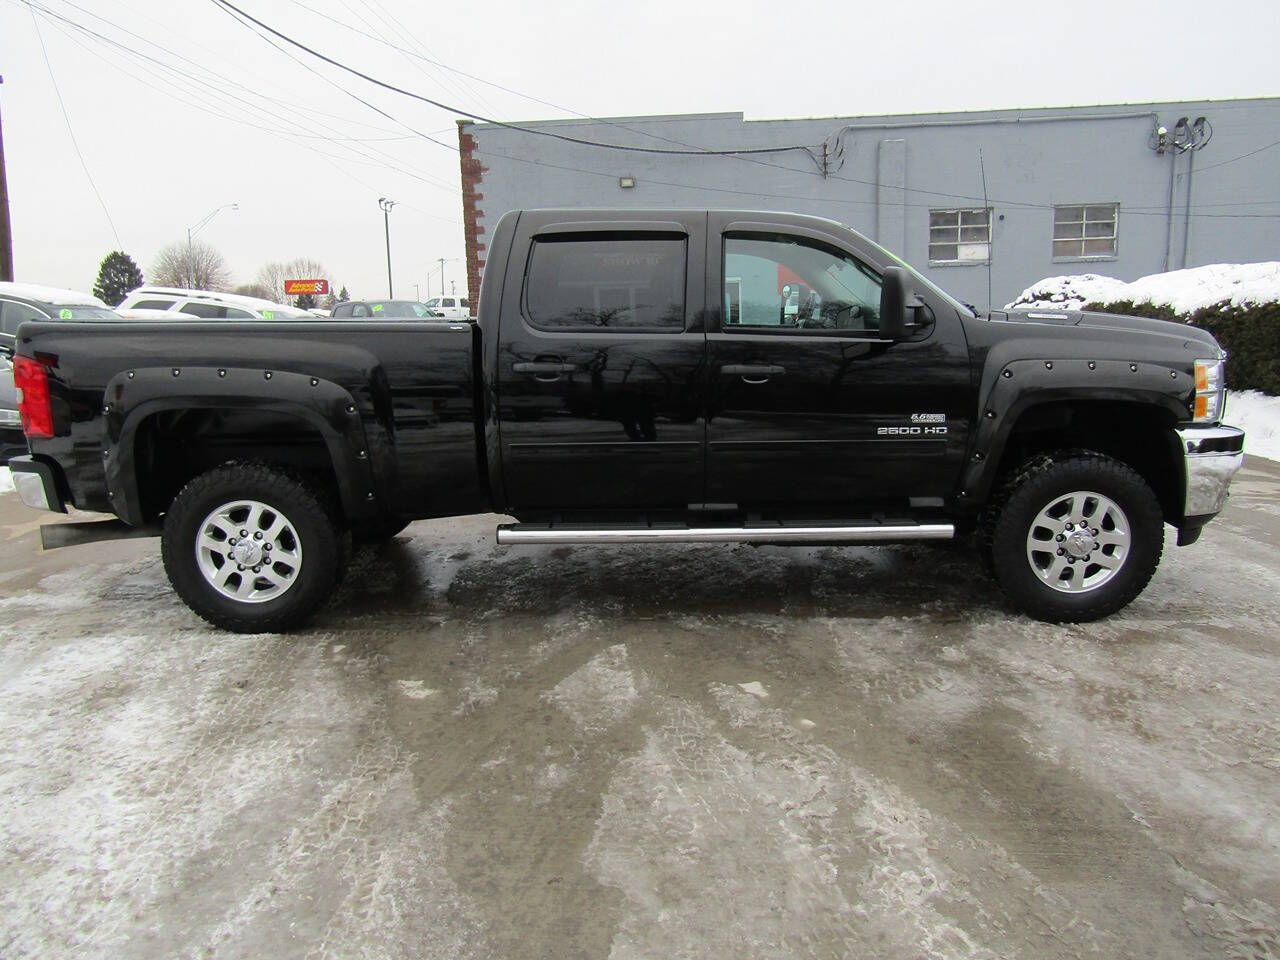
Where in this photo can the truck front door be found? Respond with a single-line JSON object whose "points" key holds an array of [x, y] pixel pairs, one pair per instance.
{"points": [[601, 364], [808, 407]]}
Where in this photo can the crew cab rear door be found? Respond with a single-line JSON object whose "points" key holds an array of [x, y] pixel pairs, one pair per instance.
{"points": [[601, 362], [808, 408]]}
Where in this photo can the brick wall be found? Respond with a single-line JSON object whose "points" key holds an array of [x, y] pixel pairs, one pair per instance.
{"points": [[472, 176]]}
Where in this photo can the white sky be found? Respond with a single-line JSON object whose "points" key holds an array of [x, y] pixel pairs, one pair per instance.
{"points": [[162, 158]]}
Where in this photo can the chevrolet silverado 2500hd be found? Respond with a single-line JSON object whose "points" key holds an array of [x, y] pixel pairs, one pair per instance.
{"points": [[642, 377]]}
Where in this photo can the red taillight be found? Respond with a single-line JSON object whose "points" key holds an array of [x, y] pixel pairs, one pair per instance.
{"points": [[35, 405]]}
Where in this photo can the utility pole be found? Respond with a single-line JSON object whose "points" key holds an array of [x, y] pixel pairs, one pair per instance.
{"points": [[6, 231], [416, 295], [386, 206], [442, 276]]}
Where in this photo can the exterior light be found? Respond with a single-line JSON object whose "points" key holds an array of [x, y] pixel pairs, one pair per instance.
{"points": [[626, 183]]}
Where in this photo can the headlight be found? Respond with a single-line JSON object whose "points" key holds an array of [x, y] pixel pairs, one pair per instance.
{"points": [[1210, 391]]}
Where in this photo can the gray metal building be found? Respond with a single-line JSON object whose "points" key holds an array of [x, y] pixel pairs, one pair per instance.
{"points": [[1125, 190]]}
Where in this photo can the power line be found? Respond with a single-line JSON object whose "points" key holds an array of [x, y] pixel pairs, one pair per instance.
{"points": [[1241, 157], [624, 147], [71, 132], [483, 119]]}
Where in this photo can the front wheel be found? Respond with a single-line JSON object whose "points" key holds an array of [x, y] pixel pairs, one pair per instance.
{"points": [[1076, 538], [251, 549]]}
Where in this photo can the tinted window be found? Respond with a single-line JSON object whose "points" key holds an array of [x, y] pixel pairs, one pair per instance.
{"points": [[610, 283], [464, 302], [154, 304], [450, 302], [209, 311], [342, 310], [785, 282], [359, 310], [234, 313]]}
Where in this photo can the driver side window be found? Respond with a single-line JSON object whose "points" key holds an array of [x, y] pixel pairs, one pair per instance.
{"points": [[786, 283]]}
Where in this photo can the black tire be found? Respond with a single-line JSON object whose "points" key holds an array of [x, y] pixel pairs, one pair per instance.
{"points": [[378, 531], [321, 543], [1014, 509]]}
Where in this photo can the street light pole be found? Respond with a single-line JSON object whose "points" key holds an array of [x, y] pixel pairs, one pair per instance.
{"points": [[192, 231], [386, 206], [416, 295], [442, 276]]}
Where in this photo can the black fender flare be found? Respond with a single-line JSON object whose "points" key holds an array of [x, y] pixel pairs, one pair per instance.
{"points": [[135, 395], [1010, 391]]}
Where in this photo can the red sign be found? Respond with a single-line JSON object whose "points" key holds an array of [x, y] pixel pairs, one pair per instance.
{"points": [[294, 288]]}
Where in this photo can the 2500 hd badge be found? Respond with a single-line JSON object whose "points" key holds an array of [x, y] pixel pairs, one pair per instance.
{"points": [[939, 419]]}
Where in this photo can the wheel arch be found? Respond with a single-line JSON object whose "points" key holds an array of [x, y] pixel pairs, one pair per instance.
{"points": [[158, 437]]}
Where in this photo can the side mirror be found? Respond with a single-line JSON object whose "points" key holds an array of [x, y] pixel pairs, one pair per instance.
{"points": [[895, 300]]}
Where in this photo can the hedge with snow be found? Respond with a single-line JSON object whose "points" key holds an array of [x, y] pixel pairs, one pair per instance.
{"points": [[1239, 303]]}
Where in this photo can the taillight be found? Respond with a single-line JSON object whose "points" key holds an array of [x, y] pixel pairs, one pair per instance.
{"points": [[34, 402]]}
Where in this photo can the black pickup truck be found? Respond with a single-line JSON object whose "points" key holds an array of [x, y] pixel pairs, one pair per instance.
{"points": [[641, 377]]}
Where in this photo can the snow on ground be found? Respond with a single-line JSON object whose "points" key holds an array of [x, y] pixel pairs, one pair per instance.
{"points": [[6, 480], [1185, 291], [1258, 415]]}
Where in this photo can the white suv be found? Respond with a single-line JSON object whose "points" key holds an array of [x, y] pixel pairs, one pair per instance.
{"points": [[455, 308], [206, 305]]}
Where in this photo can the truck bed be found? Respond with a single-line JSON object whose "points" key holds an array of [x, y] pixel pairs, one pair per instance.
{"points": [[393, 401]]}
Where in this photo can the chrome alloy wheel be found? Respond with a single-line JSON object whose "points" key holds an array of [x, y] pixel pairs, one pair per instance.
{"points": [[248, 551], [1078, 542]]}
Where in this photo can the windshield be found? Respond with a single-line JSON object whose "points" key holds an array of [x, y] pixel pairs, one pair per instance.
{"points": [[71, 312], [399, 308], [924, 281]]}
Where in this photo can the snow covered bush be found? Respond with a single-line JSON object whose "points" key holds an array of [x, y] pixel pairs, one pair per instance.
{"points": [[1239, 303]]}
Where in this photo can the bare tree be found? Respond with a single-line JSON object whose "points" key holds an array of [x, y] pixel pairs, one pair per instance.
{"points": [[254, 290], [273, 275], [197, 266]]}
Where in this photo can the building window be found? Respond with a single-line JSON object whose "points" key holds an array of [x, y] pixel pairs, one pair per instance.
{"points": [[1084, 232], [960, 236]]}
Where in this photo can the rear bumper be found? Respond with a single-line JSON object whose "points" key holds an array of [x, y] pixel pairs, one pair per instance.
{"points": [[1211, 456], [37, 484]]}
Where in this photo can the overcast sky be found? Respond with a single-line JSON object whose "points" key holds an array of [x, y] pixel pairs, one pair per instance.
{"points": [[233, 119]]}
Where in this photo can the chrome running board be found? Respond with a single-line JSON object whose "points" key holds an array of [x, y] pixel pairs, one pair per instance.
{"points": [[511, 534]]}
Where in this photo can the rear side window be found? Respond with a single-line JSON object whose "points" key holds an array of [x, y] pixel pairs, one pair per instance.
{"points": [[153, 304], [606, 283], [234, 313], [359, 310], [210, 311], [12, 314]]}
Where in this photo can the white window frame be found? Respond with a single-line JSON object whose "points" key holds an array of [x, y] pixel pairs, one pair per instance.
{"points": [[957, 242], [1084, 222]]}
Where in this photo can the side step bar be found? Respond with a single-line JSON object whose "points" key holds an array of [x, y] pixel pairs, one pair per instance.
{"points": [[510, 534]]}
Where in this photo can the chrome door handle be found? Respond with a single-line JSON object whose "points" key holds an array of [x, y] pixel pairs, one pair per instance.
{"points": [[753, 372], [547, 371]]}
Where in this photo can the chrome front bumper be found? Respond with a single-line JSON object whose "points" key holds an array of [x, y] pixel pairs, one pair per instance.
{"points": [[1211, 456]]}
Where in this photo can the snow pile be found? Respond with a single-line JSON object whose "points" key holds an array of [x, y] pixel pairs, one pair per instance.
{"points": [[1184, 291], [6, 480], [1258, 415], [1069, 293]]}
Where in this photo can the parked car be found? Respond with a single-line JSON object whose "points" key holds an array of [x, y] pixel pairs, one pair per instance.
{"points": [[209, 305], [453, 307], [28, 301], [644, 383], [12, 441], [385, 310]]}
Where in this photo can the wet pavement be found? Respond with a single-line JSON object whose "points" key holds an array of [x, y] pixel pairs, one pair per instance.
{"points": [[656, 751]]}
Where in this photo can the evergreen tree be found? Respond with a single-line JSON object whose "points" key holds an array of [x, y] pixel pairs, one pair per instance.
{"points": [[343, 296], [306, 301], [117, 275]]}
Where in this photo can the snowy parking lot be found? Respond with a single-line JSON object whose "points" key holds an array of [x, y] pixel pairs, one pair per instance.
{"points": [[658, 752]]}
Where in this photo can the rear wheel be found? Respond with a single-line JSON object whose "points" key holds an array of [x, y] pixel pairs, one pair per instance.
{"points": [[251, 549], [1075, 538]]}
